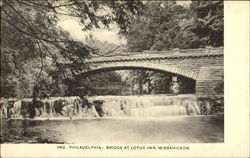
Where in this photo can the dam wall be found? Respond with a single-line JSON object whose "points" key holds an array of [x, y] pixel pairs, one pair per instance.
{"points": [[110, 106]]}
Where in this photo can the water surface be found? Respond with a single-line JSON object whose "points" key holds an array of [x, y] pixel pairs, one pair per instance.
{"points": [[172, 129]]}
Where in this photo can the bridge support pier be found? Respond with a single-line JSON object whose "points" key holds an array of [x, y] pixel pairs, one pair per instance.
{"points": [[210, 81]]}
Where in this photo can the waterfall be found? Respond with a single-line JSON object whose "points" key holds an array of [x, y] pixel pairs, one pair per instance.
{"points": [[102, 106], [144, 106], [43, 108], [192, 108], [159, 111], [17, 109], [3, 108]]}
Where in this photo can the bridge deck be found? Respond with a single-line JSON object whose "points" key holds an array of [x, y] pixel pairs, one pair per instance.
{"points": [[185, 53]]}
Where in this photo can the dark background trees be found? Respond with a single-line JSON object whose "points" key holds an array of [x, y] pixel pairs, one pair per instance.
{"points": [[165, 25], [34, 50]]}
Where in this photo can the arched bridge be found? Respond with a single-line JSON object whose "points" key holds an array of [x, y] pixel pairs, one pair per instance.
{"points": [[203, 65]]}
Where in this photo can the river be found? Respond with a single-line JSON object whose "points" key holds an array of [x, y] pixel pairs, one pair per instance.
{"points": [[172, 129]]}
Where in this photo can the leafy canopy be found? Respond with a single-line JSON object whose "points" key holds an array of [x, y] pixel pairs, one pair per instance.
{"points": [[32, 39]]}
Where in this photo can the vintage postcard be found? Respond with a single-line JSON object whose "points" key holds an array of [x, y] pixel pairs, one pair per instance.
{"points": [[130, 78]]}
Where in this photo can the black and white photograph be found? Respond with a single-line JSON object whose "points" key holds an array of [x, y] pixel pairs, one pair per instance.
{"points": [[112, 72], [122, 78]]}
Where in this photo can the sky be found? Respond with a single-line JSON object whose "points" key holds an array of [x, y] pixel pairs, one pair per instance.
{"points": [[183, 3], [75, 29]]}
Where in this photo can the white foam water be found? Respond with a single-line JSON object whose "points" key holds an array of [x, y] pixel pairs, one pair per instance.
{"points": [[159, 111]]}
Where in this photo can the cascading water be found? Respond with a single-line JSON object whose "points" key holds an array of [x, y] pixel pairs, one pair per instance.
{"points": [[147, 106], [159, 111], [108, 106], [44, 108]]}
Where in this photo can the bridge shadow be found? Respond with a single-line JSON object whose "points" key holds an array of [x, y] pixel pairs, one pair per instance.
{"points": [[162, 85]]}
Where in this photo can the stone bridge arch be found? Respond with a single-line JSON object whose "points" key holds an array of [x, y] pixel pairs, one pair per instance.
{"points": [[161, 67], [204, 65]]}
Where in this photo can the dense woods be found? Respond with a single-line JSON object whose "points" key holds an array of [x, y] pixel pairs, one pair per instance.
{"points": [[33, 46], [164, 25]]}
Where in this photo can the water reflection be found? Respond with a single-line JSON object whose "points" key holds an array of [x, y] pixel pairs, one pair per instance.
{"points": [[174, 129]]}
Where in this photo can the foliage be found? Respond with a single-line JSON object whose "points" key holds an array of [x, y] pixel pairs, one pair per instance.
{"points": [[37, 55], [207, 22], [164, 25], [211, 105], [30, 32], [157, 28]]}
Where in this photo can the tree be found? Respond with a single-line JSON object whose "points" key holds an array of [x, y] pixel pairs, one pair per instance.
{"points": [[157, 28], [208, 22], [35, 34], [17, 69], [164, 25]]}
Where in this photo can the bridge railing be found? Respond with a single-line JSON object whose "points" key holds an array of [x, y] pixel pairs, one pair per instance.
{"points": [[174, 52]]}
